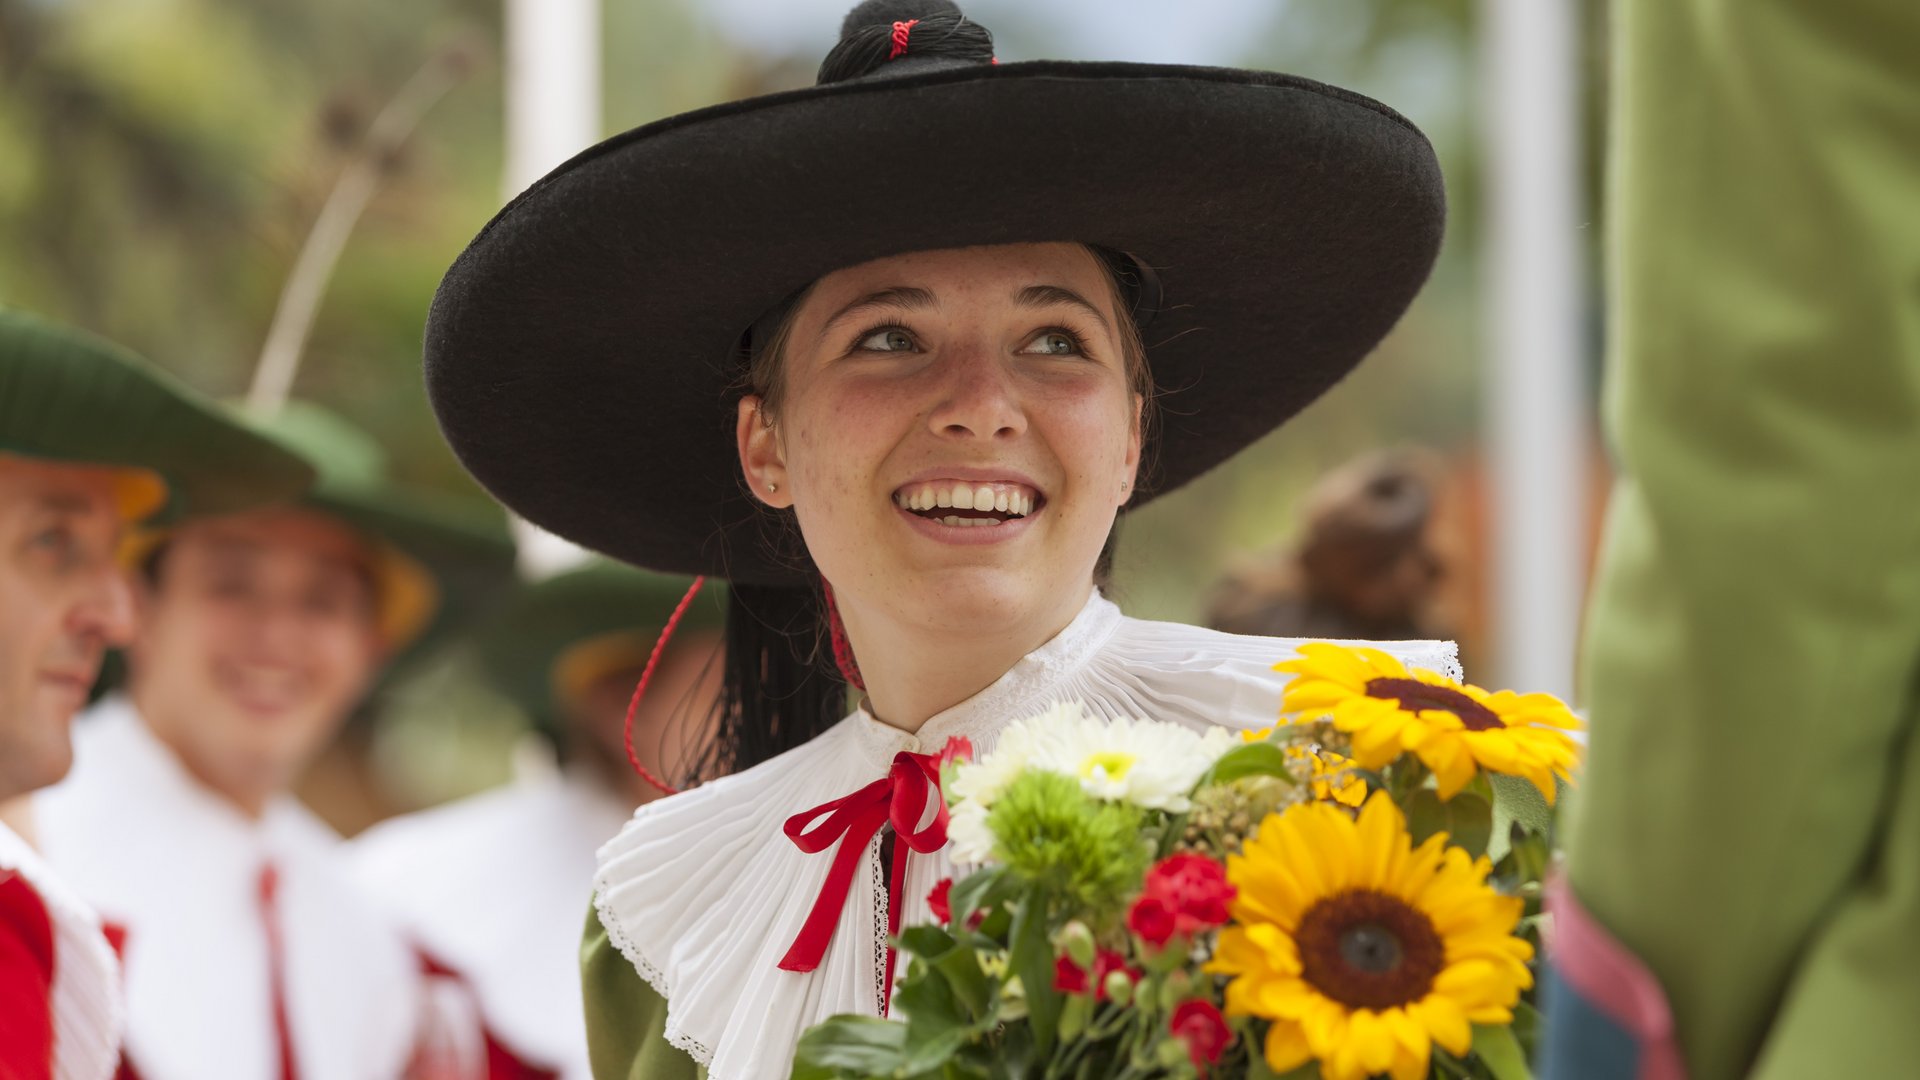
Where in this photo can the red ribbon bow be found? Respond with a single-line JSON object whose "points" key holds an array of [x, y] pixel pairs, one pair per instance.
{"points": [[852, 821]]}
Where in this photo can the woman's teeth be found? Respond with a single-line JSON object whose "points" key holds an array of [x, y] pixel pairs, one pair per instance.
{"points": [[1014, 500]]}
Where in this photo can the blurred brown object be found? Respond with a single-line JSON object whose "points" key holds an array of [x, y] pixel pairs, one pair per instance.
{"points": [[1365, 566]]}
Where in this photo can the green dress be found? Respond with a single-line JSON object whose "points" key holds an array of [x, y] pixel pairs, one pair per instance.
{"points": [[1749, 822], [626, 1018]]}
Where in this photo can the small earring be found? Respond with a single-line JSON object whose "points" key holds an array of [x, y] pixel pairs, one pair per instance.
{"points": [[772, 487]]}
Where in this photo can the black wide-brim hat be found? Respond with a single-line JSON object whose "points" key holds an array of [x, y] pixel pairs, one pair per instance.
{"points": [[584, 353]]}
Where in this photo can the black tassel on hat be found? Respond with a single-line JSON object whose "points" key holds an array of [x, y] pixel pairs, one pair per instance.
{"points": [[897, 36]]}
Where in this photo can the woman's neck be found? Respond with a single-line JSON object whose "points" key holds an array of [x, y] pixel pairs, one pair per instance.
{"points": [[914, 672]]}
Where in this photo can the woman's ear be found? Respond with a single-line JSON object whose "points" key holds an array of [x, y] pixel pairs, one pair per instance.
{"points": [[1131, 480], [761, 458]]}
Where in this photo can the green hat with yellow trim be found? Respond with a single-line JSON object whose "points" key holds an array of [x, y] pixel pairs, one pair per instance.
{"points": [[442, 558], [69, 396], [551, 638]]}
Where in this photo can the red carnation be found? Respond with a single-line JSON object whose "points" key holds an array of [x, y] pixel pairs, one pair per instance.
{"points": [[1195, 887], [1105, 963], [957, 748], [1201, 1027], [1152, 919], [939, 902], [1071, 978]]}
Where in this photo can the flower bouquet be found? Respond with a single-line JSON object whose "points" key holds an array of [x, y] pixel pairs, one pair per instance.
{"points": [[1350, 893]]}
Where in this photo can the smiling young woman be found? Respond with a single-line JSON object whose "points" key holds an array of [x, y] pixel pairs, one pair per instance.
{"points": [[890, 354]]}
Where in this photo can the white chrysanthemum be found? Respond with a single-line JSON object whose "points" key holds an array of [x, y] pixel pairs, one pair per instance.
{"points": [[1144, 762], [982, 781], [968, 833]]}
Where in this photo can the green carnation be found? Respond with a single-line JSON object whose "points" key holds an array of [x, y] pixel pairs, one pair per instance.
{"points": [[1079, 848]]}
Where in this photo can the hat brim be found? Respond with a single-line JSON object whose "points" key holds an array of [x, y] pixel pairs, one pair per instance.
{"points": [[440, 565], [522, 644], [582, 354], [69, 396]]}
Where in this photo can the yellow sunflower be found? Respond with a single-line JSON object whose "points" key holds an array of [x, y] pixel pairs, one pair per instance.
{"points": [[1454, 728], [1332, 776], [1361, 950]]}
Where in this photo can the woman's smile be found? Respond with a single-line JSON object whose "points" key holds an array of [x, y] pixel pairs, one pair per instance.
{"points": [[953, 508]]}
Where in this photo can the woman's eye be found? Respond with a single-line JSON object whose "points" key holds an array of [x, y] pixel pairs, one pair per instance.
{"points": [[893, 340], [1054, 343]]}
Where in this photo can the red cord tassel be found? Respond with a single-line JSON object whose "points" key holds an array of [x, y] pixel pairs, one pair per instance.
{"points": [[646, 676]]}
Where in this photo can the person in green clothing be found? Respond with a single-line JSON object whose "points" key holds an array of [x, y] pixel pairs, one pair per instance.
{"points": [[259, 633], [93, 441], [890, 354], [1742, 895]]}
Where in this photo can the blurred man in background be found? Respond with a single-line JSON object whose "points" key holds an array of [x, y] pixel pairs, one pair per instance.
{"points": [[91, 440], [493, 886], [1743, 882], [249, 953]]}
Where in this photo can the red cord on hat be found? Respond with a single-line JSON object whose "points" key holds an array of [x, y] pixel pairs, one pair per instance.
{"points": [[646, 676], [842, 648], [900, 32]]}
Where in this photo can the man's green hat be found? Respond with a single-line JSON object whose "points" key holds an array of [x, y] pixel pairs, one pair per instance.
{"points": [[444, 558], [552, 635], [69, 396]]}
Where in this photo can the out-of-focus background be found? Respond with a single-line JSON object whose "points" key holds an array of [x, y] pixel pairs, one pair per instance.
{"points": [[163, 163]]}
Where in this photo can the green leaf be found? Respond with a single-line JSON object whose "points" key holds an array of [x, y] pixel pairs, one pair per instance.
{"points": [[1030, 955], [1517, 802], [985, 886], [1250, 759], [929, 1004], [927, 941], [961, 967], [930, 1054], [1500, 1052], [1526, 1025], [843, 1046], [1466, 819]]}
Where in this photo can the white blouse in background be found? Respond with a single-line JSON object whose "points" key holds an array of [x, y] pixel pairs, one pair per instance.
{"points": [[178, 869], [86, 976], [495, 887], [704, 893]]}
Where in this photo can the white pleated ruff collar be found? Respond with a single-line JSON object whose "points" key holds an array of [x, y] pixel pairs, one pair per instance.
{"points": [[703, 893]]}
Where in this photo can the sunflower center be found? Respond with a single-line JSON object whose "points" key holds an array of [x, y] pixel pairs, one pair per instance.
{"points": [[1367, 950], [1107, 765], [1414, 695]]}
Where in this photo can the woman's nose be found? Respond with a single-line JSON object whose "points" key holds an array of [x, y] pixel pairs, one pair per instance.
{"points": [[979, 396]]}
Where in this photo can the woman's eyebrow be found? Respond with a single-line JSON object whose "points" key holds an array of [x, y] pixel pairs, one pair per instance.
{"points": [[1035, 296], [902, 297]]}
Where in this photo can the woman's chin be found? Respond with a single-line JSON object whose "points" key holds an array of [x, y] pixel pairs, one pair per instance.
{"points": [[986, 599]]}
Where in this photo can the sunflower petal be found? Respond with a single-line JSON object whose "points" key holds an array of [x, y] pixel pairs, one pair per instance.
{"points": [[1286, 1047]]}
